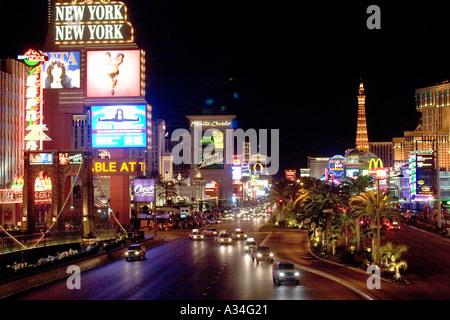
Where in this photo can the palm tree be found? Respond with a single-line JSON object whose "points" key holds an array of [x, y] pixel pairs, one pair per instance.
{"points": [[352, 188], [391, 255], [343, 222], [321, 204], [282, 193], [374, 208], [167, 190]]}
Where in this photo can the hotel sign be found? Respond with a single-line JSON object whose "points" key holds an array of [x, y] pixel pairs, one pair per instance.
{"points": [[214, 123], [92, 22]]}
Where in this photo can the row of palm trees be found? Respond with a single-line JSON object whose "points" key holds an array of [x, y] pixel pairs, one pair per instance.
{"points": [[333, 209]]}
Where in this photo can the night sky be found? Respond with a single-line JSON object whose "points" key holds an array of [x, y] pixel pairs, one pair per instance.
{"points": [[288, 65]]}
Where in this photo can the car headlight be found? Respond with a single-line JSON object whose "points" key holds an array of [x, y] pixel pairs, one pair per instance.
{"points": [[246, 247], [281, 274], [271, 254], [221, 240], [259, 255], [296, 274], [201, 237], [229, 240], [126, 253]]}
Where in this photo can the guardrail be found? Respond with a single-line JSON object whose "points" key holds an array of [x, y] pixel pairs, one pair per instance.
{"points": [[29, 240]]}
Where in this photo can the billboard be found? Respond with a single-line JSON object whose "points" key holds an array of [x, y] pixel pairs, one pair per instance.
{"points": [[91, 22], [425, 173], [125, 167], [412, 175], [41, 158], [119, 126], [211, 153], [236, 172], [62, 70], [290, 174], [144, 190], [67, 158], [113, 73], [336, 165]]}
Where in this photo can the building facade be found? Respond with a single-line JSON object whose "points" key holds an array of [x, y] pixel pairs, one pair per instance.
{"points": [[210, 171], [384, 151], [12, 119], [317, 166], [93, 84]]}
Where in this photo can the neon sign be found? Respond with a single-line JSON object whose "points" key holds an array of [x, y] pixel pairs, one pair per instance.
{"points": [[34, 60], [95, 22], [125, 167], [336, 165], [211, 123], [413, 175], [144, 190], [374, 165]]}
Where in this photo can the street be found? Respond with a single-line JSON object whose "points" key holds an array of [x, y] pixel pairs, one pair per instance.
{"points": [[182, 269]]}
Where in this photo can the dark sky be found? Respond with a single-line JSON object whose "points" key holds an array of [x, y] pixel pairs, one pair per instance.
{"points": [[295, 65]]}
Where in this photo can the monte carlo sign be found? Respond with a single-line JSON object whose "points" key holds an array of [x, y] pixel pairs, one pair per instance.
{"points": [[84, 22]]}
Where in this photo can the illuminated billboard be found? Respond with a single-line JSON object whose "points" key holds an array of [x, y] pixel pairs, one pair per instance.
{"points": [[211, 153], [113, 73], [236, 172], [119, 126], [62, 70], [91, 22], [425, 173], [128, 167], [144, 190], [66, 158], [41, 158], [336, 165]]}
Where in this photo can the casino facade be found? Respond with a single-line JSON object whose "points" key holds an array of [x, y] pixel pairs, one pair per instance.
{"points": [[87, 122]]}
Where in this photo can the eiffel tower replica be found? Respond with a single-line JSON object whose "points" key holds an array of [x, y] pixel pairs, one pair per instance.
{"points": [[362, 139]]}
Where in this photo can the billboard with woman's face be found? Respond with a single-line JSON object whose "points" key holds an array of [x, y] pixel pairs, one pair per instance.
{"points": [[62, 70], [114, 73]]}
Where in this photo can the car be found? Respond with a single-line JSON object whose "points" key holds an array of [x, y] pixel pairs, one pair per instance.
{"points": [[394, 226], [210, 232], [249, 244], [224, 238], [213, 221], [196, 235], [285, 271], [262, 253], [238, 234], [135, 251]]}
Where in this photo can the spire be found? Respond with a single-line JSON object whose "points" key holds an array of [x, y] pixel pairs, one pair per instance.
{"points": [[361, 88], [362, 138]]}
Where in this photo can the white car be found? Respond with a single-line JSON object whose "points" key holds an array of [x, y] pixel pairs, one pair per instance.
{"points": [[210, 232], [196, 235], [212, 221], [239, 235], [224, 238], [285, 271]]}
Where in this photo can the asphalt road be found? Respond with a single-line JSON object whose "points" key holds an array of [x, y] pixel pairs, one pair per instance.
{"points": [[428, 258], [182, 269]]}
